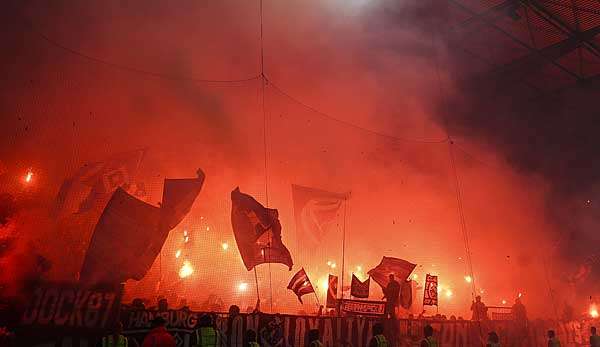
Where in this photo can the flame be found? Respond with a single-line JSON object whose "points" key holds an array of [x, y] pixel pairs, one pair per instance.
{"points": [[242, 287], [594, 311], [469, 279], [178, 253], [415, 276], [503, 302], [449, 293], [186, 269], [225, 246], [28, 176], [324, 284]]}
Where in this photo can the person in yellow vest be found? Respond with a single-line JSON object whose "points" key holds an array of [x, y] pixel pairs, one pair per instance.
{"points": [[116, 339], [493, 340], [594, 338], [552, 339], [251, 338], [428, 341], [378, 339], [206, 334], [313, 338]]}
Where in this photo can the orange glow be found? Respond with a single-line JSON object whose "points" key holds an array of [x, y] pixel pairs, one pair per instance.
{"points": [[503, 302], [468, 279], [242, 287], [28, 176], [594, 311], [178, 253], [186, 269], [225, 246]]}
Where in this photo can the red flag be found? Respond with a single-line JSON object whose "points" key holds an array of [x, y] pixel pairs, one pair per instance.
{"points": [[300, 284], [332, 285], [315, 211], [430, 296], [257, 232], [400, 268], [359, 289]]}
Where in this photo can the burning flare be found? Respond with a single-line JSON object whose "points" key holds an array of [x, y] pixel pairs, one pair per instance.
{"points": [[28, 176], [594, 311], [186, 269]]}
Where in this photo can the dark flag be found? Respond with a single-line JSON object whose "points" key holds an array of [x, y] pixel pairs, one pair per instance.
{"points": [[360, 289], [406, 294], [94, 183], [400, 268], [315, 211], [332, 286], [130, 232], [430, 295], [125, 227], [257, 232], [300, 284]]}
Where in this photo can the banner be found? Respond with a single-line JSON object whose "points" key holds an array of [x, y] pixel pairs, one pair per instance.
{"points": [[360, 289], [430, 295], [315, 211], [332, 286], [406, 294], [290, 331], [61, 313], [361, 307]]}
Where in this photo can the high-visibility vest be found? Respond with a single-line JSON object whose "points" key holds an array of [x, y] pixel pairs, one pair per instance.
{"points": [[207, 337], [253, 344], [554, 342], [595, 341], [431, 342], [108, 341], [316, 343], [381, 341]]}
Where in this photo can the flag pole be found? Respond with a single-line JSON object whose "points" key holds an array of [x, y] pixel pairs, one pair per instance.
{"points": [[344, 247], [256, 281]]}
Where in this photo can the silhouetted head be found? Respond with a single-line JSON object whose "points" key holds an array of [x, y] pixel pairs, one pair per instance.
{"points": [[391, 277], [478, 298], [158, 321], [428, 331], [378, 329], [163, 304], [118, 328], [234, 310], [551, 334], [313, 335], [250, 335], [493, 337], [205, 321]]}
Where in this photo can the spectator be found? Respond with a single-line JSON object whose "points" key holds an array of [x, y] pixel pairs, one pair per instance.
{"points": [[313, 338], [479, 310], [594, 338], [251, 338], [552, 339], [428, 341], [493, 340], [116, 339], [159, 336], [378, 339]]}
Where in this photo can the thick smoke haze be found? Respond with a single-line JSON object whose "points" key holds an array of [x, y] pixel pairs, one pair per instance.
{"points": [[385, 66]]}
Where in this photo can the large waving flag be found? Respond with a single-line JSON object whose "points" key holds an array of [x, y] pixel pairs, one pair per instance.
{"points": [[257, 232], [315, 211], [94, 183], [400, 268], [300, 284], [130, 232]]}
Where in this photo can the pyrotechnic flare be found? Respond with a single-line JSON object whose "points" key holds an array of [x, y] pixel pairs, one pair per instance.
{"points": [[186, 269], [28, 176]]}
